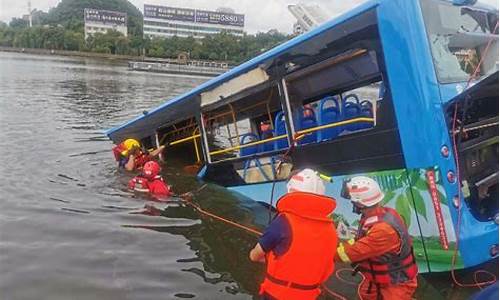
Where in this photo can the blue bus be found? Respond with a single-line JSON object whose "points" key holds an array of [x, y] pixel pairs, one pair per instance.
{"points": [[405, 91]]}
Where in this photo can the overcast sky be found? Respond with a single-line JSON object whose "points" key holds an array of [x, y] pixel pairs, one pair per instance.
{"points": [[260, 15]]}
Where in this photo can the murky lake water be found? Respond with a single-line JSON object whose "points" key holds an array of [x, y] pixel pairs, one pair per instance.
{"points": [[68, 227]]}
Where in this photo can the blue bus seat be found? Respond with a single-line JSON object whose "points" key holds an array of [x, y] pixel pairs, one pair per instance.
{"points": [[366, 111], [280, 129], [328, 115], [246, 139], [351, 110], [269, 146], [305, 122]]}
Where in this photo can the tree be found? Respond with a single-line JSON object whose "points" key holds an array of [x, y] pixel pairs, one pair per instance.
{"points": [[73, 41], [18, 23]]}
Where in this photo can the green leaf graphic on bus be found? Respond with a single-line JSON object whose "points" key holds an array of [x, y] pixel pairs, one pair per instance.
{"points": [[406, 190]]}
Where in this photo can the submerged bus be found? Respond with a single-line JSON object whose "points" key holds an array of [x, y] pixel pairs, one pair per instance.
{"points": [[403, 91]]}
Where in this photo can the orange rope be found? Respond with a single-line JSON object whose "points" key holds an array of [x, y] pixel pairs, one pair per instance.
{"points": [[214, 216]]}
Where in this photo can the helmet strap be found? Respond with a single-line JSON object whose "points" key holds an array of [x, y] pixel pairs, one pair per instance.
{"points": [[356, 209]]}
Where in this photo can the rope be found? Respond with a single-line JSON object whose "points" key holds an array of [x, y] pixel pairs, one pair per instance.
{"points": [[477, 284], [222, 219], [296, 138]]}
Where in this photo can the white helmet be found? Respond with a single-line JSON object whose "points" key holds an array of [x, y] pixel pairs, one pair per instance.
{"points": [[363, 190], [307, 181]]}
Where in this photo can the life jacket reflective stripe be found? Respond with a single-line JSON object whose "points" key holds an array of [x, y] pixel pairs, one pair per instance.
{"points": [[389, 268], [139, 184], [145, 185], [308, 262]]}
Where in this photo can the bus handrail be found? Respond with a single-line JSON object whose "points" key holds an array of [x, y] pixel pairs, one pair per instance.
{"points": [[185, 139], [305, 131]]}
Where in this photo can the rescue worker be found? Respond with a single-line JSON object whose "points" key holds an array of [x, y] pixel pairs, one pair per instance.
{"points": [[382, 250], [300, 243], [150, 181], [130, 156]]}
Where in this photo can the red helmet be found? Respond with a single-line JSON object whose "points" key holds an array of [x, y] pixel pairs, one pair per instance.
{"points": [[151, 169]]}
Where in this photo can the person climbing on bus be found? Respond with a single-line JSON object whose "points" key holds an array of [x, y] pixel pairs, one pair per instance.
{"points": [[382, 250], [300, 243], [131, 156], [150, 181]]}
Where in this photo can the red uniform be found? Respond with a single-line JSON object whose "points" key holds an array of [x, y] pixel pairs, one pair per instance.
{"points": [[384, 254], [120, 152], [308, 262], [155, 186]]}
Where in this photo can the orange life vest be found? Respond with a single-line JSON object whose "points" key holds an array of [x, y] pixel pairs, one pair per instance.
{"points": [[389, 268], [308, 262]]}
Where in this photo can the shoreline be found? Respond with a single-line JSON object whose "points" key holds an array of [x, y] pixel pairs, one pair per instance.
{"points": [[112, 57]]}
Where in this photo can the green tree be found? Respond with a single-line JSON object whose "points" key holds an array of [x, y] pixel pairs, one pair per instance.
{"points": [[73, 41], [18, 23]]}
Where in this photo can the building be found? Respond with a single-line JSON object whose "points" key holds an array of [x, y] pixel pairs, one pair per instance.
{"points": [[308, 16], [104, 20], [165, 21]]}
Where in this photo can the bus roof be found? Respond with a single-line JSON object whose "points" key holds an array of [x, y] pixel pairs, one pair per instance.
{"points": [[186, 104]]}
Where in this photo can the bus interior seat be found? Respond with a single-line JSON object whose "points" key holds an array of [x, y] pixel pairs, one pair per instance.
{"points": [[351, 110], [328, 115], [366, 111], [269, 146], [307, 119], [280, 129], [249, 138]]}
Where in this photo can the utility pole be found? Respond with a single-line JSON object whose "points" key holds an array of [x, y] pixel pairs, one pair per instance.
{"points": [[30, 16]]}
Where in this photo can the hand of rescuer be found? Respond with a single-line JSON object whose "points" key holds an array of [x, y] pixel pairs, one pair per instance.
{"points": [[381, 238], [157, 151], [130, 165], [132, 154], [257, 254]]}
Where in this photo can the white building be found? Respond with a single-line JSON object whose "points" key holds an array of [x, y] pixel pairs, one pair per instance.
{"points": [[165, 21], [308, 16], [104, 20]]}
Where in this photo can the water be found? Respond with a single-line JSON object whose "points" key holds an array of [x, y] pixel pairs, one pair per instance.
{"points": [[69, 229]]}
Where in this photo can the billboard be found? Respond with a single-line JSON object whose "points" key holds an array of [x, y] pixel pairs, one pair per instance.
{"points": [[193, 15], [105, 16]]}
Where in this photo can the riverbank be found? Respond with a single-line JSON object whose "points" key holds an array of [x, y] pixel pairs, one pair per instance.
{"points": [[114, 57]]}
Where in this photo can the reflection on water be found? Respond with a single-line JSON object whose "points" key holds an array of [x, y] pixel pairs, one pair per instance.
{"points": [[69, 229]]}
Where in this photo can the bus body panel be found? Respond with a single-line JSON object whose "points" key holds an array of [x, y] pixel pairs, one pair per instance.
{"points": [[418, 99]]}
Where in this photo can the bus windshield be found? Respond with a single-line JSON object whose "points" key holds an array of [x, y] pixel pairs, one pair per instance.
{"points": [[458, 36]]}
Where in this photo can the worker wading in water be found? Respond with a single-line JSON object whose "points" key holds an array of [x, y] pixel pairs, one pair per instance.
{"points": [[382, 250], [299, 244], [150, 181], [130, 156]]}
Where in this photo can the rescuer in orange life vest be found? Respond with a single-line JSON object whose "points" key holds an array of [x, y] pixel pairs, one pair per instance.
{"points": [[299, 244], [130, 156], [382, 250]]}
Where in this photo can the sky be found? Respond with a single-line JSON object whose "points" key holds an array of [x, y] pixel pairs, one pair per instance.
{"points": [[260, 15]]}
